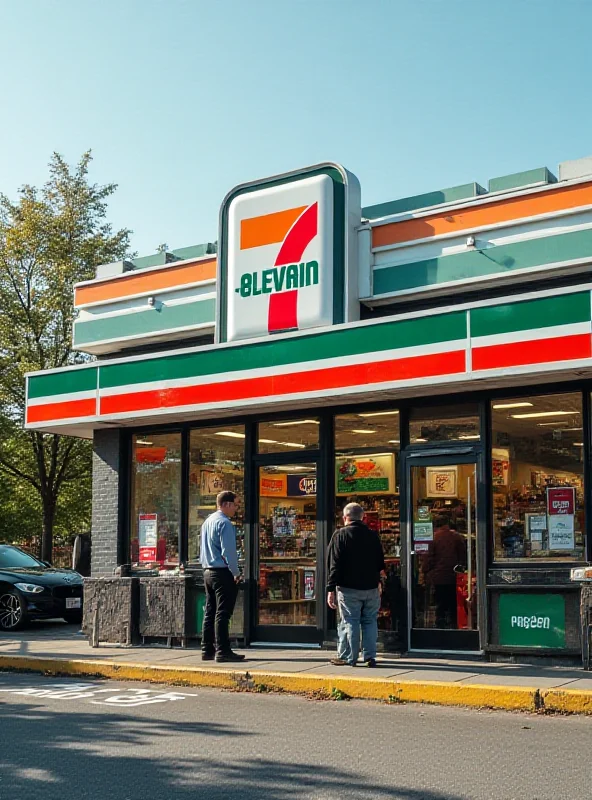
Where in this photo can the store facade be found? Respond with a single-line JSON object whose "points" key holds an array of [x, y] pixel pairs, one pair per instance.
{"points": [[430, 360]]}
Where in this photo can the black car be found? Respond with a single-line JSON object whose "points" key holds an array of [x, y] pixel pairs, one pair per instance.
{"points": [[31, 589]]}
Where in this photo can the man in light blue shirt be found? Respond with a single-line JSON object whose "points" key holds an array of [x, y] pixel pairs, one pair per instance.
{"points": [[219, 560]]}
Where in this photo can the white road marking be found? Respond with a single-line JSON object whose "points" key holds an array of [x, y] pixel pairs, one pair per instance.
{"points": [[126, 697]]}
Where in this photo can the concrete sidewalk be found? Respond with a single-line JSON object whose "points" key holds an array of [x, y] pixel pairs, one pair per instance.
{"points": [[55, 648]]}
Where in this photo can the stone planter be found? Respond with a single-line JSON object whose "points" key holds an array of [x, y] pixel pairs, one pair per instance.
{"points": [[168, 608], [110, 610]]}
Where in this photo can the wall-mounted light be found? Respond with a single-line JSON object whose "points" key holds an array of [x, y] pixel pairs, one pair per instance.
{"points": [[151, 301], [470, 241]]}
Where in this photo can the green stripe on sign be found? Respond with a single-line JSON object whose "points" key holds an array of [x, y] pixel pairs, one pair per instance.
{"points": [[498, 260], [139, 323], [531, 314], [70, 380], [279, 352]]}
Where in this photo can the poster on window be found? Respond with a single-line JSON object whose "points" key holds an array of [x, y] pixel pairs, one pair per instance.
{"points": [[147, 536], [441, 481], [309, 584], [561, 506], [302, 485], [275, 486], [365, 474], [211, 482], [500, 466]]}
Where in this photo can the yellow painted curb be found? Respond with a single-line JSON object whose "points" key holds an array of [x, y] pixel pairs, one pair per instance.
{"points": [[436, 692], [567, 701]]}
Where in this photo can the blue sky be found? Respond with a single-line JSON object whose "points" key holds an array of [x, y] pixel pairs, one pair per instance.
{"points": [[180, 100]]}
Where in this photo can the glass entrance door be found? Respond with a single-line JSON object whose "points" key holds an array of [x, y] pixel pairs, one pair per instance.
{"points": [[443, 601], [287, 553]]}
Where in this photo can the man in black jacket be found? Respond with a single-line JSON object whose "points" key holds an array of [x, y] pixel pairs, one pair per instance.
{"points": [[355, 563]]}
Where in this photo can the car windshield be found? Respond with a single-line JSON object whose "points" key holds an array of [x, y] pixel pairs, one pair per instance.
{"points": [[11, 557]]}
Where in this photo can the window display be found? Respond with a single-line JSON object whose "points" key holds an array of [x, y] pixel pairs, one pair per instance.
{"points": [[155, 500], [288, 435], [538, 478], [287, 544], [217, 463], [370, 478]]}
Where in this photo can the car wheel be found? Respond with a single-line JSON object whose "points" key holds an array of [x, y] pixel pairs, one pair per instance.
{"points": [[13, 614], [73, 617]]}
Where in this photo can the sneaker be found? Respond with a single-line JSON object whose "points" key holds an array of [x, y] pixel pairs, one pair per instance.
{"points": [[370, 662], [207, 656], [341, 662], [230, 656]]}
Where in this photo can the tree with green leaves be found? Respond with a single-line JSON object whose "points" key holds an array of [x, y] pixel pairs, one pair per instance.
{"points": [[50, 239]]}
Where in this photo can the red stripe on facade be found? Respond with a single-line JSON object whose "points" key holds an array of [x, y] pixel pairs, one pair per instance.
{"points": [[317, 380], [66, 410], [299, 237], [539, 351], [283, 311]]}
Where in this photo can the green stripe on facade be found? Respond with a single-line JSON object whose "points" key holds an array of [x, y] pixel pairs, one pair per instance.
{"points": [[454, 194], [502, 259], [70, 380], [156, 320], [531, 314], [517, 180], [277, 352]]}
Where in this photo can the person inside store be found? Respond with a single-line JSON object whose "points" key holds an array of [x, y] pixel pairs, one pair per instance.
{"points": [[354, 566], [447, 550], [219, 559]]}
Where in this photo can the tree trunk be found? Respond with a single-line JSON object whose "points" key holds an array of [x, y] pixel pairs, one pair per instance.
{"points": [[47, 535]]}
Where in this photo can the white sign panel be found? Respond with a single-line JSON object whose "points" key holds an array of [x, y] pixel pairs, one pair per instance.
{"points": [[280, 258]]}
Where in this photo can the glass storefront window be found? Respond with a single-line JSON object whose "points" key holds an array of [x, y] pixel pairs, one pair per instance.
{"points": [[459, 423], [156, 500], [216, 463], [367, 429], [538, 477], [370, 478], [290, 435], [287, 544]]}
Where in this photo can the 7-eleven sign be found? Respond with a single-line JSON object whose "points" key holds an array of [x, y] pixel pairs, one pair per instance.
{"points": [[282, 260]]}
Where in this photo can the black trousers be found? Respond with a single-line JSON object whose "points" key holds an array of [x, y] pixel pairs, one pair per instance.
{"points": [[221, 592], [445, 597]]}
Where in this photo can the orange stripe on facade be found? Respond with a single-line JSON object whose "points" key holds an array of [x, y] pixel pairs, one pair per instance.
{"points": [[268, 229], [153, 281], [483, 215]]}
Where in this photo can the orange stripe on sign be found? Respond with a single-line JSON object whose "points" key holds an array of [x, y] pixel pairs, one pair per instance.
{"points": [[480, 216], [67, 410], [316, 380], [268, 229], [541, 351], [136, 283]]}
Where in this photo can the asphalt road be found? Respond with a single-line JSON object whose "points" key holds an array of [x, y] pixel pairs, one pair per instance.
{"points": [[60, 738]]}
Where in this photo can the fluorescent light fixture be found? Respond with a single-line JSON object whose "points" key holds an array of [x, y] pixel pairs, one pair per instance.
{"points": [[419, 440], [394, 441], [573, 429], [470, 436], [359, 430], [379, 414], [231, 434], [267, 441], [143, 441], [512, 405], [578, 444], [292, 444], [537, 414], [552, 424], [296, 422]]}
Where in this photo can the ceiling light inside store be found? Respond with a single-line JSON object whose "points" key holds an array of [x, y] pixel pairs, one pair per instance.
{"points": [[394, 441], [143, 441], [419, 440], [359, 430], [232, 434], [536, 414], [552, 424], [267, 441], [379, 414], [296, 422], [578, 444], [292, 444], [512, 405], [470, 436]]}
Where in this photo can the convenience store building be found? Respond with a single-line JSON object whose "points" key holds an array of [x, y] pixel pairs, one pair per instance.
{"points": [[429, 357]]}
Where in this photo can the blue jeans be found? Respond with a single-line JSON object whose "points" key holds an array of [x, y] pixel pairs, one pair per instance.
{"points": [[357, 608]]}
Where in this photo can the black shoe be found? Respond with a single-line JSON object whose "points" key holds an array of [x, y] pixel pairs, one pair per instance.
{"points": [[230, 656], [371, 662], [206, 655]]}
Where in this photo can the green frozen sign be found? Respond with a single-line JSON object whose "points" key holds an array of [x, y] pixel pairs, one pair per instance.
{"points": [[532, 620]]}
